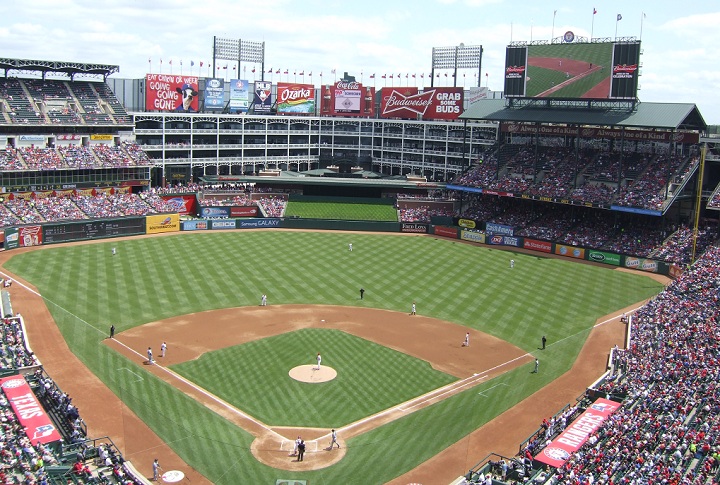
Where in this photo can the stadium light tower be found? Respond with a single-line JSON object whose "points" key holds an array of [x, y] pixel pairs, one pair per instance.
{"points": [[239, 50], [461, 56]]}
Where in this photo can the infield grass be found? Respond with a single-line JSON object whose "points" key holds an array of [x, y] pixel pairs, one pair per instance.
{"points": [[86, 289]]}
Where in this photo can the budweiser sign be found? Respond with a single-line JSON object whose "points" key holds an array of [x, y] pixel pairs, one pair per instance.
{"points": [[625, 68], [406, 105], [514, 71]]}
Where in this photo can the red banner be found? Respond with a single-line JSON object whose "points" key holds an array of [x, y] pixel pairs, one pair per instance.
{"points": [[183, 204], [38, 426], [446, 231], [249, 211], [30, 236], [542, 246], [575, 435], [432, 104], [165, 92], [570, 251], [347, 99]]}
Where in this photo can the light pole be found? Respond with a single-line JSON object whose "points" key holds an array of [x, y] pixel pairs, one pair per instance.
{"points": [[461, 56]]}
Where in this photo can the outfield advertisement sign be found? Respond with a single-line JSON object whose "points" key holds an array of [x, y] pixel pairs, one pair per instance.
{"points": [[196, 225], [215, 93], [262, 99], [603, 257], [257, 223], [295, 98], [577, 433], [445, 231], [642, 264], [12, 238], [492, 228], [535, 245], [248, 211], [239, 96], [414, 227], [210, 212], [435, 103], [37, 424], [472, 236], [224, 224], [570, 251], [165, 92], [23, 237], [183, 204], [504, 240], [157, 224]]}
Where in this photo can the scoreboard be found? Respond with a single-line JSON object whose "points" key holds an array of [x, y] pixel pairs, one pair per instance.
{"points": [[99, 229]]}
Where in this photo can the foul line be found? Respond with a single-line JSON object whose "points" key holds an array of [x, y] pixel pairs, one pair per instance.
{"points": [[482, 393]]}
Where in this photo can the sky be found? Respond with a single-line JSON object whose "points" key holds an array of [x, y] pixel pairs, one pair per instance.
{"points": [[678, 61]]}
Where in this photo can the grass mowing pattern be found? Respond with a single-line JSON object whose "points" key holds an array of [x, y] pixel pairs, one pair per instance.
{"points": [[341, 211], [240, 375], [156, 278]]}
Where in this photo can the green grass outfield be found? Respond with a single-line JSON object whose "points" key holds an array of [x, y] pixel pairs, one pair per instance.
{"points": [[356, 211], [154, 278], [542, 79]]}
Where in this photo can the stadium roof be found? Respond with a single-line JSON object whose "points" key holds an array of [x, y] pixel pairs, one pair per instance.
{"points": [[667, 116], [69, 68], [390, 183]]}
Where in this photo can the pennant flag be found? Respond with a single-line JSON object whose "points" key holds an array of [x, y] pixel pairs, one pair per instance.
{"points": [[149, 60], [302, 73], [445, 74], [181, 62], [253, 70], [437, 75], [594, 11], [170, 62], [286, 72], [413, 76], [320, 73], [310, 74], [277, 72], [201, 63], [270, 71], [333, 71], [383, 76], [161, 61], [619, 17], [372, 76], [406, 75], [192, 63], [391, 76], [422, 75], [226, 67]]}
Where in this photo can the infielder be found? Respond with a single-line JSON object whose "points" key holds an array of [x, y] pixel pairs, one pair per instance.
{"points": [[466, 342], [334, 441], [163, 348]]}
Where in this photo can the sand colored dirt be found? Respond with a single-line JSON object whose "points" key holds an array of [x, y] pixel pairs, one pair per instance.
{"points": [[312, 375], [107, 416]]}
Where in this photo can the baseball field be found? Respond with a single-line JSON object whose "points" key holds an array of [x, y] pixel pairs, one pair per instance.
{"points": [[222, 398]]}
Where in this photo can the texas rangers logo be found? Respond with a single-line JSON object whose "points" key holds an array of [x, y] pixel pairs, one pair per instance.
{"points": [[603, 407], [556, 453], [43, 431], [13, 383]]}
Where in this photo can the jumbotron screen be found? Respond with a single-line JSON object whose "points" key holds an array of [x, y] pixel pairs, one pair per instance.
{"points": [[573, 70]]}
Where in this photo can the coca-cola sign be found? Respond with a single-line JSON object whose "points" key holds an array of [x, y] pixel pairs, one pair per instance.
{"points": [[347, 98], [348, 85]]}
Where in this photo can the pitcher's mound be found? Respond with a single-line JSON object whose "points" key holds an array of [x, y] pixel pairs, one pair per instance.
{"points": [[311, 374]]}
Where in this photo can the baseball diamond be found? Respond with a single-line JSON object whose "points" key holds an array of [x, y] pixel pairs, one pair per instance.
{"points": [[157, 300]]}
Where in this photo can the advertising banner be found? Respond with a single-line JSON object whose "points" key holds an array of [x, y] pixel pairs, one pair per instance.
{"points": [[214, 212], [535, 245], [476, 94], [156, 224], [248, 211], [625, 70], [223, 224], [295, 98], [445, 231], [467, 223], [642, 264], [577, 433], [262, 99], [165, 92], [255, 223], [472, 236], [196, 225], [37, 424], [30, 236], [603, 257], [239, 96], [492, 228], [504, 240], [348, 98], [101, 137], [12, 238], [590, 132], [515, 64], [570, 251], [214, 93], [445, 103], [183, 204], [414, 227]]}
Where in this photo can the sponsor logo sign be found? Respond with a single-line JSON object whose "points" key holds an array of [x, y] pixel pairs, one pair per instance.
{"points": [[472, 236], [295, 98], [570, 251], [228, 224], [468, 223], [262, 99], [348, 98], [239, 96], [101, 137], [414, 227], [624, 71], [446, 104], [603, 257], [156, 224], [249, 211], [642, 264], [476, 94], [504, 240], [250, 223], [492, 228], [214, 93], [183, 204], [577, 433], [38, 426], [195, 225], [445, 231], [210, 212], [30, 236], [12, 238], [32, 138], [166, 92], [535, 245]]}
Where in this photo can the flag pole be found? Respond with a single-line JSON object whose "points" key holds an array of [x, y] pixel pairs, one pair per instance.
{"points": [[642, 17], [592, 25], [617, 19], [552, 34]]}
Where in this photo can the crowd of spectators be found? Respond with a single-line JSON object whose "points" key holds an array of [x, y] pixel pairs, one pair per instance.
{"points": [[272, 206], [21, 460], [423, 213], [73, 157]]}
